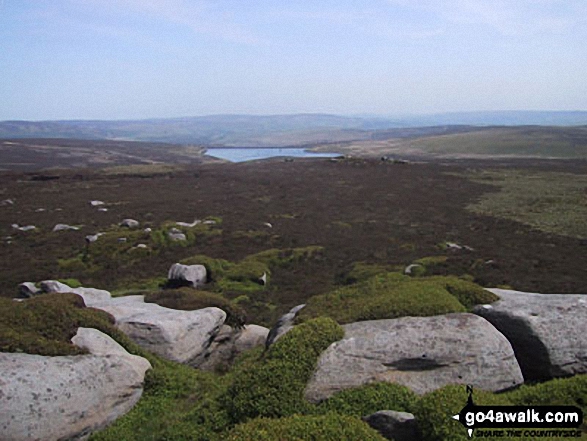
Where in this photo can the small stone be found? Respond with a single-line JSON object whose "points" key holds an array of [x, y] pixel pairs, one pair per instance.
{"points": [[96, 203], [129, 223]]}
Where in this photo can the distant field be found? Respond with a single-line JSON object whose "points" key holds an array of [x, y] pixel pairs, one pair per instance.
{"points": [[498, 142], [549, 202]]}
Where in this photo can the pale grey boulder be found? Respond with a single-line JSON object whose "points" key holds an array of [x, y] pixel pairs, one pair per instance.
{"points": [[177, 236], [92, 297], [283, 325], [64, 227], [547, 331], [397, 426], [68, 397], [181, 336], [231, 342], [186, 275], [250, 337], [129, 223], [422, 353]]}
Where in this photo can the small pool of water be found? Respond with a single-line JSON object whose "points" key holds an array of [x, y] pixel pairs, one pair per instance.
{"points": [[242, 154]]}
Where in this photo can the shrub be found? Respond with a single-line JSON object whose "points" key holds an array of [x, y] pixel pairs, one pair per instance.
{"points": [[370, 398], [468, 293], [330, 427], [188, 299], [275, 386], [391, 295]]}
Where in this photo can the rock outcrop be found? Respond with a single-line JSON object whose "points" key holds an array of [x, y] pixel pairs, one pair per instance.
{"points": [[283, 325], [181, 336], [422, 353], [397, 426], [547, 331], [68, 397], [187, 275]]}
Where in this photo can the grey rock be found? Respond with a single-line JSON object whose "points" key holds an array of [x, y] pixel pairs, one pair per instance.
{"points": [[24, 228], [64, 227], [141, 245], [93, 237], [129, 223], [189, 225], [27, 290], [104, 210], [148, 230], [177, 237], [187, 275], [410, 269], [283, 325], [422, 353], [229, 343], [92, 297], [96, 203], [67, 397], [397, 426], [209, 222], [547, 331], [181, 336], [6, 202]]}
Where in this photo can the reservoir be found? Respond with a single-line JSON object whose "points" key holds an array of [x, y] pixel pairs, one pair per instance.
{"points": [[242, 154]]}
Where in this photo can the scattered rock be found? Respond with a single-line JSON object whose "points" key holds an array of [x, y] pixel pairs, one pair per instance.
{"points": [[397, 426], [129, 223], [181, 336], [40, 210], [27, 290], [141, 246], [68, 397], [93, 237], [96, 203], [283, 325], [122, 240], [263, 279], [186, 275], [103, 209], [6, 202], [209, 222], [547, 331], [25, 228], [189, 225], [177, 236], [250, 337], [413, 269], [267, 224], [64, 227], [422, 353], [148, 230]]}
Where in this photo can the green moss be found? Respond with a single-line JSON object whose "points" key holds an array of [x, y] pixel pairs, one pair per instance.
{"points": [[276, 258], [369, 399], [389, 295], [188, 299], [468, 293], [215, 268], [331, 427], [275, 387], [74, 264], [72, 283], [45, 324], [431, 261], [362, 271]]}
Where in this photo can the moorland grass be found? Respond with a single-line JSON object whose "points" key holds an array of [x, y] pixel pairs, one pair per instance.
{"points": [[547, 201], [393, 295]]}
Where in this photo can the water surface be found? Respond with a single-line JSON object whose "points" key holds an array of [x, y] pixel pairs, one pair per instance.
{"points": [[242, 154]]}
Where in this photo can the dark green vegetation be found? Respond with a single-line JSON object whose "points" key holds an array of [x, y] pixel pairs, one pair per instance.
{"points": [[261, 396], [552, 202]]}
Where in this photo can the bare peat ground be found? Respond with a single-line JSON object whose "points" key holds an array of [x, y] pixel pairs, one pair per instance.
{"points": [[358, 210]]}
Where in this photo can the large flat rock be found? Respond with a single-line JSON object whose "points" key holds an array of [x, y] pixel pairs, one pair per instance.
{"points": [[181, 336], [547, 331], [422, 353], [68, 397]]}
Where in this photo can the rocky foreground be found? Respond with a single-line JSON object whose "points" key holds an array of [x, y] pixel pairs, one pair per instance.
{"points": [[521, 337]]}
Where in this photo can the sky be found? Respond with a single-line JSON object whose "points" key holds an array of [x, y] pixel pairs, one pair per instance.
{"points": [[132, 59]]}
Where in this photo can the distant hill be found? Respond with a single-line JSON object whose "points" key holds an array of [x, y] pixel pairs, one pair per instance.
{"points": [[272, 130]]}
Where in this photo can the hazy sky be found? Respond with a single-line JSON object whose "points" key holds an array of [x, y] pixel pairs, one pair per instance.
{"points": [[113, 59]]}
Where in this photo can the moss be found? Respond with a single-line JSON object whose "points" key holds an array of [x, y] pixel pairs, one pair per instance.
{"points": [[385, 296], [72, 283], [431, 261], [215, 268], [276, 258], [331, 427], [468, 293], [275, 387], [45, 324], [188, 299], [369, 399], [361, 271]]}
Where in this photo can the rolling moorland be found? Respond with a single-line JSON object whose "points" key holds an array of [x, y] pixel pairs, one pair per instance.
{"points": [[317, 227]]}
